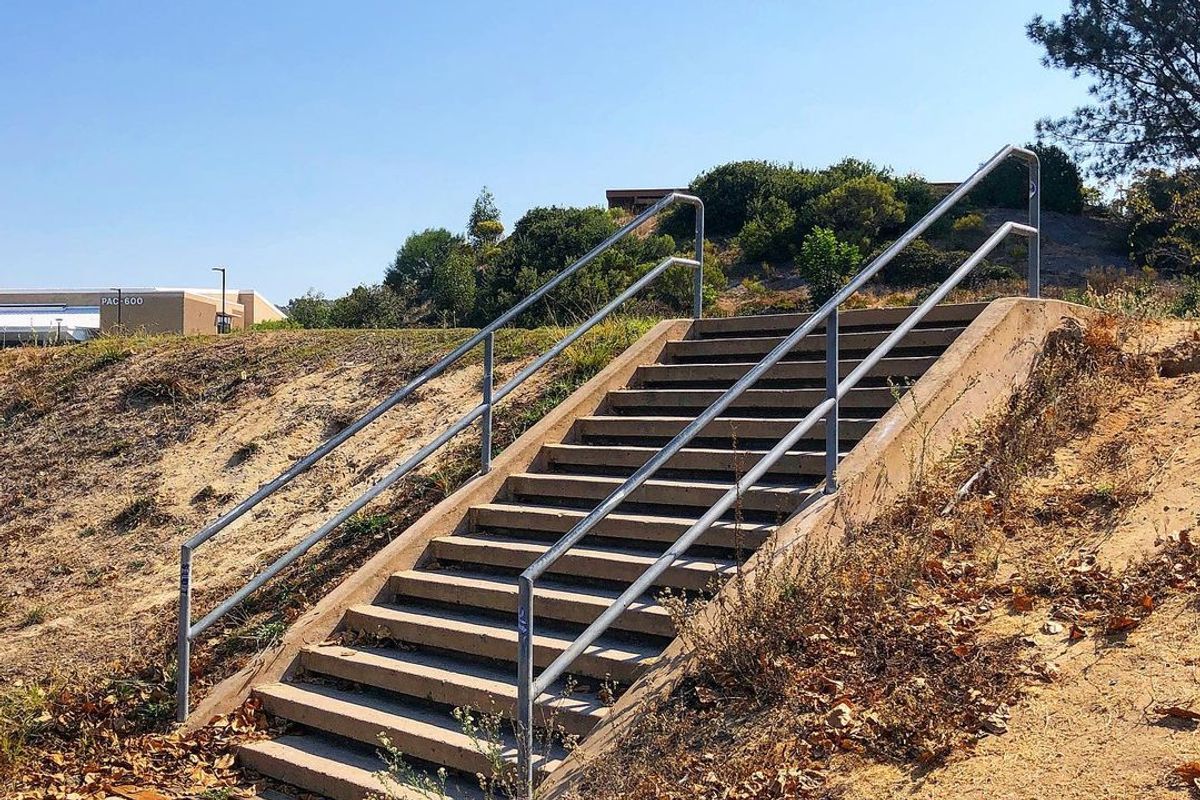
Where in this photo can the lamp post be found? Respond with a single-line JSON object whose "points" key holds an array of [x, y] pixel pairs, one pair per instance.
{"points": [[222, 318], [117, 289], [58, 335]]}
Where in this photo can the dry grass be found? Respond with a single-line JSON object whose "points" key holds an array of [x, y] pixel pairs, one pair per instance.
{"points": [[881, 650], [43, 750]]}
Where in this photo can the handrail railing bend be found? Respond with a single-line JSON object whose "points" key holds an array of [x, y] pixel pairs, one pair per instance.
{"points": [[187, 632], [529, 688]]}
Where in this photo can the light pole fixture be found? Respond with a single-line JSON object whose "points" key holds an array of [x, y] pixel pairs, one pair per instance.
{"points": [[223, 320]]}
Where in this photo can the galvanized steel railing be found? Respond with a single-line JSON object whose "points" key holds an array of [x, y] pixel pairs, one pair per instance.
{"points": [[529, 687], [188, 632]]}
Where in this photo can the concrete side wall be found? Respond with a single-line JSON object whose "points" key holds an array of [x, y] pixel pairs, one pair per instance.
{"points": [[407, 550], [976, 377]]}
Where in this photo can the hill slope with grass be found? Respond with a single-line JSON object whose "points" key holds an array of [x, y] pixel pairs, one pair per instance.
{"points": [[118, 450]]}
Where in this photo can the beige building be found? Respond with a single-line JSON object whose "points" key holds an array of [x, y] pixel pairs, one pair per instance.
{"points": [[40, 313]]}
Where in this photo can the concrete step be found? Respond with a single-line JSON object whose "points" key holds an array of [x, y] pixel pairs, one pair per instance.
{"points": [[496, 639], [722, 428], [783, 324], [779, 500], [759, 400], [339, 771], [421, 733], [608, 564], [791, 372], [690, 459], [736, 349], [452, 682], [553, 601], [638, 527]]}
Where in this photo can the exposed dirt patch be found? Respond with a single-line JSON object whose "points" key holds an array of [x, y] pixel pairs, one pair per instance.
{"points": [[1093, 733], [116, 458]]}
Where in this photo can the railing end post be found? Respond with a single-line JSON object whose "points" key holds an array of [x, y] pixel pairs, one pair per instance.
{"points": [[1035, 222], [183, 644], [832, 377], [525, 684]]}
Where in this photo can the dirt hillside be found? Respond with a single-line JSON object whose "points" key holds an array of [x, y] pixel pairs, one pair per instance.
{"points": [[116, 451], [1035, 637]]}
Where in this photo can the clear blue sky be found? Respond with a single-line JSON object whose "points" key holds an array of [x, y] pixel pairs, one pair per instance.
{"points": [[299, 143]]}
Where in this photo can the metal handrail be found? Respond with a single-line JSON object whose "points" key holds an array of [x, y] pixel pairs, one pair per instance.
{"points": [[528, 688], [188, 632]]}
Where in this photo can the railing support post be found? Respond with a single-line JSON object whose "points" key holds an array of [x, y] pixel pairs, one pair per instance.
{"points": [[485, 431], [525, 686], [184, 638], [1035, 221], [698, 273], [831, 392]]}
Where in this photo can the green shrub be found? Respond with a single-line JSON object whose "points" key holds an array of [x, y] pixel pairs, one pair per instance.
{"points": [[453, 285], [674, 288], [858, 210], [1187, 302], [826, 263], [967, 230], [546, 241], [728, 190], [769, 232], [412, 268], [917, 195], [1164, 217], [1008, 185], [364, 306], [310, 310], [277, 325]]}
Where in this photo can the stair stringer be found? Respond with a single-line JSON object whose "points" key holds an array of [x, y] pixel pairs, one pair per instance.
{"points": [[977, 375], [369, 582]]}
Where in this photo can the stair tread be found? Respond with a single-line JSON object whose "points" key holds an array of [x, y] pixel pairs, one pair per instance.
{"points": [[668, 483], [683, 494], [606, 648], [692, 572], [846, 338], [643, 616], [649, 451], [448, 681], [578, 513], [417, 731], [847, 318], [338, 771]]}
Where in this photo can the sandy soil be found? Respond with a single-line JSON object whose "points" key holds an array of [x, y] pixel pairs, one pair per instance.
{"points": [[1118, 492], [79, 588]]}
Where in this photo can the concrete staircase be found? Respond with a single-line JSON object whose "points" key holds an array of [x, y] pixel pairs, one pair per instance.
{"points": [[445, 638]]}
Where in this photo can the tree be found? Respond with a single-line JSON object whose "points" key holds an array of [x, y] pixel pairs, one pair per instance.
{"points": [[483, 227], [412, 268], [310, 310], [1164, 217], [826, 263], [1144, 62], [453, 285], [368, 307], [1008, 184]]}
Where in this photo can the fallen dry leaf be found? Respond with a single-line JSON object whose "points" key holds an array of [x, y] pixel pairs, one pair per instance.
{"points": [[1178, 712], [1189, 771]]}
